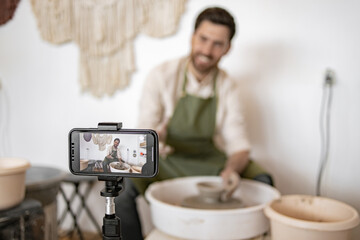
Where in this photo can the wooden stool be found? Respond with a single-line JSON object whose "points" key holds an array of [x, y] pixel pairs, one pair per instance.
{"points": [[24, 221], [76, 182], [42, 184]]}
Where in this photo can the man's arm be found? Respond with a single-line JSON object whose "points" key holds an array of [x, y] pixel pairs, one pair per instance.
{"points": [[234, 166], [237, 162], [231, 127], [119, 155], [151, 106], [109, 152]]}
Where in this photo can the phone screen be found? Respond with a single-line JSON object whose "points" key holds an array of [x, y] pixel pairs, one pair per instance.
{"points": [[121, 153]]}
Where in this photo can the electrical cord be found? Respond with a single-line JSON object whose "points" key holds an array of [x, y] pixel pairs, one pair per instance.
{"points": [[325, 126]]}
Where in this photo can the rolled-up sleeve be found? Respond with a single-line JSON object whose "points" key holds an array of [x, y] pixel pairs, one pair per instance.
{"points": [[231, 133], [160, 93], [151, 107]]}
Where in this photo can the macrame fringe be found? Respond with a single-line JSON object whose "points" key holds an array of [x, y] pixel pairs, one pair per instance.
{"points": [[105, 75], [103, 27], [104, 31], [162, 17], [101, 140], [54, 19]]}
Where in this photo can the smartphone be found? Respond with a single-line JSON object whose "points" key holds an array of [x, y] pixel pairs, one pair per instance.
{"points": [[123, 152]]}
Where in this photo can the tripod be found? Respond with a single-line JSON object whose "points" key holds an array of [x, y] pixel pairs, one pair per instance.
{"points": [[111, 228]]}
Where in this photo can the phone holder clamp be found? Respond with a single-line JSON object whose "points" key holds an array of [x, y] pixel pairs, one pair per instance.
{"points": [[110, 126]]}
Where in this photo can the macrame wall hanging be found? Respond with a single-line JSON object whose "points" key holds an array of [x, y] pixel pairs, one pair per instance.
{"points": [[104, 30], [101, 140], [7, 10]]}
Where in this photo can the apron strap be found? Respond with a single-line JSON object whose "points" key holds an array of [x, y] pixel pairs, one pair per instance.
{"points": [[186, 79]]}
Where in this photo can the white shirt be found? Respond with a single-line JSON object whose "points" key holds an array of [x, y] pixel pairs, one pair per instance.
{"points": [[163, 88], [112, 148]]}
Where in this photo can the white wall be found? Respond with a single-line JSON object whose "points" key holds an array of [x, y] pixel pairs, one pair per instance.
{"points": [[279, 56]]}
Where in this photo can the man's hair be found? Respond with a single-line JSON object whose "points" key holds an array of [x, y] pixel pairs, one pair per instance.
{"points": [[218, 16], [117, 139]]}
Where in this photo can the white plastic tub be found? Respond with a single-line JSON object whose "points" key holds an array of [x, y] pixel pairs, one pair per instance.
{"points": [[12, 181], [299, 217], [170, 217]]}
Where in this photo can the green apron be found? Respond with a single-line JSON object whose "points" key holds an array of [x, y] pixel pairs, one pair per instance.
{"points": [[190, 132], [107, 160]]}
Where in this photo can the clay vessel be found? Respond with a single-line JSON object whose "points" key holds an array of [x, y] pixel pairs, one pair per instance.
{"points": [[12, 181], [299, 217]]}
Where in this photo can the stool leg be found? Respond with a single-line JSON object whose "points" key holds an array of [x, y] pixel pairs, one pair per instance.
{"points": [[84, 206], [67, 201], [69, 210], [76, 226], [83, 194]]}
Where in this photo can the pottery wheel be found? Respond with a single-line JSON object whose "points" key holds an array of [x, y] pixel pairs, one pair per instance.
{"points": [[200, 203]]}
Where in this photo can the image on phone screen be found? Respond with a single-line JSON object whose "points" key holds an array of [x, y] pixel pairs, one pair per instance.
{"points": [[112, 152]]}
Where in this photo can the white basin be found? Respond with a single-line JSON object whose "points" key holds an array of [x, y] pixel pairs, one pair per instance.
{"points": [[169, 216]]}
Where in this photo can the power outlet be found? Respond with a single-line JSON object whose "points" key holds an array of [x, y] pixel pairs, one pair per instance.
{"points": [[329, 77]]}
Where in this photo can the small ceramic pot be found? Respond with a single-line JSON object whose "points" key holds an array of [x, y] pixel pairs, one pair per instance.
{"points": [[211, 191]]}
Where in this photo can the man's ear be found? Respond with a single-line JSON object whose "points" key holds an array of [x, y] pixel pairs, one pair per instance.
{"points": [[192, 39], [228, 48]]}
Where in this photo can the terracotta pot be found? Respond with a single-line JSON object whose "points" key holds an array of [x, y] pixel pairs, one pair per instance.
{"points": [[169, 216], [12, 181], [299, 217]]}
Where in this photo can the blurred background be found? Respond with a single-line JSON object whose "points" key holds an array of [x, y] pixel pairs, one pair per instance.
{"points": [[279, 56]]}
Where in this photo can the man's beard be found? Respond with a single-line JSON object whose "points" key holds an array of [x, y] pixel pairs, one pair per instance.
{"points": [[198, 67]]}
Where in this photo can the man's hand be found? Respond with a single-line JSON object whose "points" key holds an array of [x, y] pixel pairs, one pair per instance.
{"points": [[231, 181], [234, 166], [162, 131], [164, 149]]}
